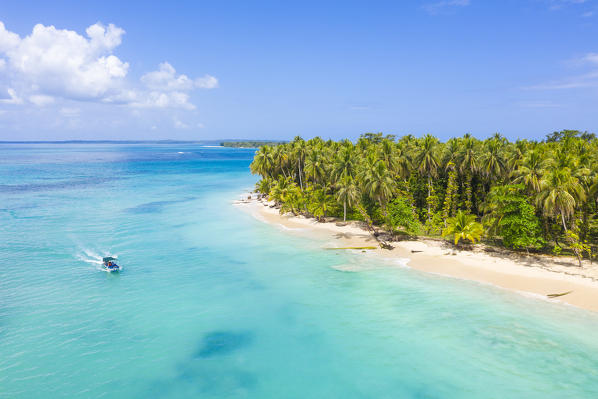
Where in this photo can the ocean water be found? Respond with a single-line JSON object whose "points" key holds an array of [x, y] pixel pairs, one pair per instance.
{"points": [[215, 304]]}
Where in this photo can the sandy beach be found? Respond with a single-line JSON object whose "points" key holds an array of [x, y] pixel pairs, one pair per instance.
{"points": [[540, 276]]}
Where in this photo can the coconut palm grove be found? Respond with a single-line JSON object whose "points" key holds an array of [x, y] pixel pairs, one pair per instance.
{"points": [[524, 195]]}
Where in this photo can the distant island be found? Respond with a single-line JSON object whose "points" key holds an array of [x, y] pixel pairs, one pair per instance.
{"points": [[251, 143]]}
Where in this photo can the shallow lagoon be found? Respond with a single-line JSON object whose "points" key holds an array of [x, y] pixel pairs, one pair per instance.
{"points": [[213, 303]]}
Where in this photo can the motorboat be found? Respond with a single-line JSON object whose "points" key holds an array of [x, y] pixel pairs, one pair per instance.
{"points": [[109, 264]]}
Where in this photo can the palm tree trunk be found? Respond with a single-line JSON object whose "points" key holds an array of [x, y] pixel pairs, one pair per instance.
{"points": [[468, 194], [429, 194], [300, 179], [344, 210], [575, 250], [563, 220]]}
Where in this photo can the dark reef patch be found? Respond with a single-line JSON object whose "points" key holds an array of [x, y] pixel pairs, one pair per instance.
{"points": [[155, 206], [218, 343]]}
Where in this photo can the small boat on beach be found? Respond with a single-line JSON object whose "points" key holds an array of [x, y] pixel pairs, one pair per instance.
{"points": [[109, 264]]}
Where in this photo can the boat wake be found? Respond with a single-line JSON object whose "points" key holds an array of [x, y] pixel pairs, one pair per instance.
{"points": [[92, 257]]}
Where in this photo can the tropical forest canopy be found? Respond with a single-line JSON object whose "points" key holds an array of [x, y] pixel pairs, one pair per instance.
{"points": [[532, 195]]}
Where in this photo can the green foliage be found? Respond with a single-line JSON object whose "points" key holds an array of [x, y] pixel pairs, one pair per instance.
{"points": [[434, 225], [320, 203], [557, 249], [400, 216], [463, 226], [511, 216], [379, 177], [450, 201], [520, 227], [577, 245]]}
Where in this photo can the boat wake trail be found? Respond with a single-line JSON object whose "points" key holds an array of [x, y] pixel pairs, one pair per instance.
{"points": [[92, 257]]}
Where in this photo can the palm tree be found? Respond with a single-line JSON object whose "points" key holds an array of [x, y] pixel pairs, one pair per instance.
{"points": [[428, 162], [403, 161], [344, 164], [264, 186], [388, 155], [299, 151], [493, 164], [347, 194], [314, 166], [530, 171], [560, 193], [463, 226], [263, 162], [321, 204], [280, 159], [451, 152], [517, 152], [378, 183], [468, 167], [281, 189]]}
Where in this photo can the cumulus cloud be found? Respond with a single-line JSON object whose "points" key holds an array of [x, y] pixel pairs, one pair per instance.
{"points": [[207, 82], [51, 64], [166, 79], [63, 63]]}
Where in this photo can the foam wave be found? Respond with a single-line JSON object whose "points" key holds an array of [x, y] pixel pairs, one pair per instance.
{"points": [[92, 257], [282, 226]]}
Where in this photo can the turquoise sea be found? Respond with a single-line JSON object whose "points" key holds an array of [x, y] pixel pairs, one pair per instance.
{"points": [[213, 303]]}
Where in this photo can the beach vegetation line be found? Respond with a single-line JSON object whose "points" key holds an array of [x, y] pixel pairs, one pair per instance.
{"points": [[538, 196]]}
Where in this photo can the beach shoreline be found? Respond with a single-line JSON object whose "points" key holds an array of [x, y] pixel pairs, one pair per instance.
{"points": [[539, 276]]}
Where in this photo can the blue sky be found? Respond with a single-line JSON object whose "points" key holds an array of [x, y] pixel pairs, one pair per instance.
{"points": [[211, 70]]}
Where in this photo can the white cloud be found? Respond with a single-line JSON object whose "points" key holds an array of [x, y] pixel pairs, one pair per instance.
{"points": [[435, 8], [63, 63], [8, 39], [180, 125], [153, 99], [585, 80], [51, 64], [207, 82], [166, 79], [13, 97], [591, 58], [41, 99]]}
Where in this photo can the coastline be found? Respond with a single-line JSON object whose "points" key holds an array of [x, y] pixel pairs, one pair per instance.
{"points": [[539, 276]]}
